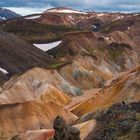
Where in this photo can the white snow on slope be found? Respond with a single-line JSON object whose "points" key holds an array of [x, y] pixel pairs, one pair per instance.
{"points": [[94, 26], [2, 18], [65, 11], [47, 46], [119, 17], [32, 17], [71, 18], [100, 15], [107, 38], [136, 14], [4, 71]]}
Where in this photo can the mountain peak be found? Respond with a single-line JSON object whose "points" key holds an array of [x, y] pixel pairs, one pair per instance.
{"points": [[7, 14]]}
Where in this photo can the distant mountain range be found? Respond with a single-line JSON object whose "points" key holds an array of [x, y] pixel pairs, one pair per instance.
{"points": [[7, 14]]}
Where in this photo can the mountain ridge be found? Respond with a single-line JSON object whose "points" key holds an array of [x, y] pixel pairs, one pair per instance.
{"points": [[6, 14]]}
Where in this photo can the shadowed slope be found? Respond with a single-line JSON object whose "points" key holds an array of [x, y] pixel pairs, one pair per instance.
{"points": [[17, 56]]}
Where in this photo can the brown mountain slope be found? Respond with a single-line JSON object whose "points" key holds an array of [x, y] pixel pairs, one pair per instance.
{"points": [[32, 115], [123, 88], [35, 99], [122, 37], [95, 58], [34, 31], [134, 31], [122, 24], [95, 21], [128, 25], [92, 44], [37, 80], [55, 19]]}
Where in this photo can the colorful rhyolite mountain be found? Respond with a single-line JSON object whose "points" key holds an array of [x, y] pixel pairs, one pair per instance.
{"points": [[83, 67]]}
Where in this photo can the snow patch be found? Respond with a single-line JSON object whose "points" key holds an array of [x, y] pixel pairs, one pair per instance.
{"points": [[100, 15], [47, 46], [2, 18], [65, 11], [107, 38], [32, 17], [94, 26], [128, 28], [136, 14], [119, 17], [4, 71], [71, 18]]}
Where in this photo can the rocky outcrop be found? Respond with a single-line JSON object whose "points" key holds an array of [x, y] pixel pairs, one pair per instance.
{"points": [[86, 128], [64, 131], [121, 121]]}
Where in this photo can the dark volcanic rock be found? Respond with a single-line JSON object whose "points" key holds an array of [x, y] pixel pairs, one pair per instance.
{"points": [[121, 121], [64, 131], [3, 78]]}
